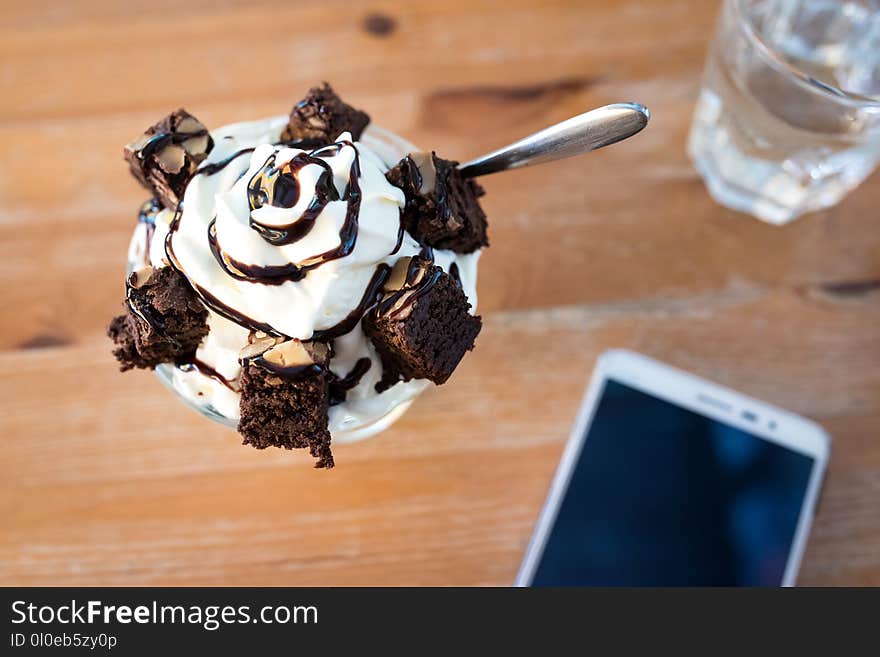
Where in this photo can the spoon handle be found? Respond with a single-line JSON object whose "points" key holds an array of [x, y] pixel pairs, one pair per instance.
{"points": [[579, 134]]}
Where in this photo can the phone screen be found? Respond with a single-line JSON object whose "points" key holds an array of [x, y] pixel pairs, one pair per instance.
{"points": [[661, 495]]}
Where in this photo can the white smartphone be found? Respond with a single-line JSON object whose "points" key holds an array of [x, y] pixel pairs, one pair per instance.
{"points": [[668, 479]]}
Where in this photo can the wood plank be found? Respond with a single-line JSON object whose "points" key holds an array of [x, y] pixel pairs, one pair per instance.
{"points": [[106, 480], [161, 496]]}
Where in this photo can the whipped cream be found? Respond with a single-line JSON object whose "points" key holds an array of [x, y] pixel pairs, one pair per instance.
{"points": [[299, 264]]}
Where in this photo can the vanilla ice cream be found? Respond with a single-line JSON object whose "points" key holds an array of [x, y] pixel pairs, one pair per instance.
{"points": [[299, 260]]}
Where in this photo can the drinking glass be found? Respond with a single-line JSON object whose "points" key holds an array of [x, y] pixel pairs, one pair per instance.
{"points": [[788, 119]]}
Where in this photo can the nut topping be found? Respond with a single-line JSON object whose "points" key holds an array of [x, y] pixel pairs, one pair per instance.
{"points": [[137, 278], [258, 346], [397, 278], [171, 158], [424, 162]]}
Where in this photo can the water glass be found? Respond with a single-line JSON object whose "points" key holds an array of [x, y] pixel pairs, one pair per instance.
{"points": [[788, 119]]}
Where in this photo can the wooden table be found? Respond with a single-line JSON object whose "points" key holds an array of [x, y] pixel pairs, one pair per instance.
{"points": [[106, 479]]}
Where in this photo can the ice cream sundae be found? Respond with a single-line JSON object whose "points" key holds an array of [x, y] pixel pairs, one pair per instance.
{"points": [[302, 278]]}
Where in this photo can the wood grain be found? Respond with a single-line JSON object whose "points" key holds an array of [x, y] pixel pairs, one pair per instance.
{"points": [[106, 480]]}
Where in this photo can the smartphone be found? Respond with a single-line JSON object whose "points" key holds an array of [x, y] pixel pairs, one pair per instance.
{"points": [[670, 480]]}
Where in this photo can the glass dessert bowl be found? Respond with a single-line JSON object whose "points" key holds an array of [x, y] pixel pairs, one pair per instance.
{"points": [[300, 278]]}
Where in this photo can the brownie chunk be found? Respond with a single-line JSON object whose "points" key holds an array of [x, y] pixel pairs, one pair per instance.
{"points": [[285, 396], [421, 327], [167, 155], [125, 352], [442, 207], [164, 320], [322, 116]]}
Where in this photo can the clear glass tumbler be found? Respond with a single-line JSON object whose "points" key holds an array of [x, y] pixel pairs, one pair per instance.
{"points": [[788, 118]]}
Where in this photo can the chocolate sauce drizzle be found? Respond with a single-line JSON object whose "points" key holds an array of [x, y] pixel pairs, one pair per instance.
{"points": [[371, 295], [194, 364], [229, 313], [147, 216], [413, 289], [265, 274], [207, 298], [352, 196], [369, 299], [325, 191], [400, 232], [159, 140], [456, 276], [278, 274], [216, 167], [339, 387], [291, 372], [285, 194], [427, 253]]}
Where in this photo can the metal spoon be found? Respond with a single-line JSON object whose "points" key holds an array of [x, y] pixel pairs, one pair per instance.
{"points": [[579, 134]]}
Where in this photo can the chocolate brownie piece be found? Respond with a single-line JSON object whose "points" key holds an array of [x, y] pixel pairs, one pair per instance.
{"points": [[322, 116], [442, 207], [421, 327], [126, 352], [285, 396], [167, 155], [164, 320]]}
